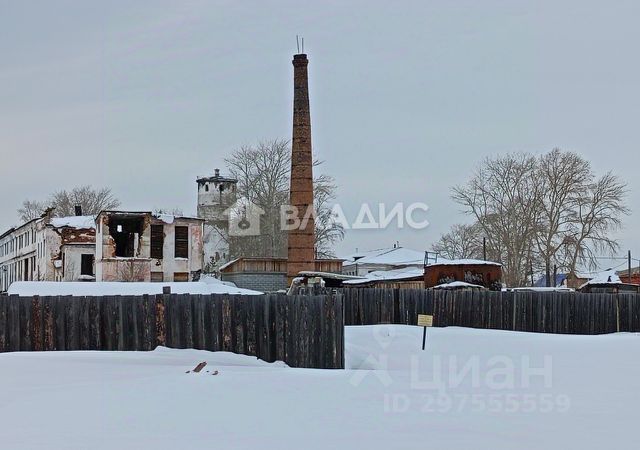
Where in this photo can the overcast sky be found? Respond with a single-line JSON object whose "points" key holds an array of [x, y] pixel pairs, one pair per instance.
{"points": [[406, 97]]}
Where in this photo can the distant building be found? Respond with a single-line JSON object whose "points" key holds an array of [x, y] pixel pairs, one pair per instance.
{"points": [[68, 249], [561, 280], [472, 271], [48, 249], [404, 278], [141, 246], [18, 254], [575, 280], [268, 274], [216, 194], [363, 263], [635, 275], [608, 282], [566, 280]]}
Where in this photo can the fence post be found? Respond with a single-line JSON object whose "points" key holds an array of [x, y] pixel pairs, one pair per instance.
{"points": [[36, 322], [161, 301], [618, 313], [515, 303]]}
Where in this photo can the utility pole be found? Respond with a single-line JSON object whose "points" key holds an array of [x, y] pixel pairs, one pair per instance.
{"points": [[629, 281], [484, 248]]}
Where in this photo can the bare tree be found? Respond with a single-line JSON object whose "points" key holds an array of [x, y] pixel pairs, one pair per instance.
{"points": [[540, 212], [597, 214], [31, 210], [463, 241], [263, 173], [90, 199], [328, 230], [504, 198], [564, 177]]}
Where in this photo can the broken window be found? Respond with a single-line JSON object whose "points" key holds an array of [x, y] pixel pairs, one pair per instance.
{"points": [[126, 233], [157, 241], [86, 264], [182, 242]]}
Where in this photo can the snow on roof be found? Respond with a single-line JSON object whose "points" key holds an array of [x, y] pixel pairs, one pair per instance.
{"points": [[463, 262], [398, 256], [170, 218], [404, 273], [166, 218], [227, 264], [458, 285], [80, 222], [80, 288], [539, 289], [607, 277], [327, 275], [361, 254]]}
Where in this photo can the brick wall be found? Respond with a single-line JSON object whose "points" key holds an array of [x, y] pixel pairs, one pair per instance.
{"points": [[259, 281]]}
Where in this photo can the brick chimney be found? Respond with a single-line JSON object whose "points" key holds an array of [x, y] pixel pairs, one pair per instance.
{"points": [[301, 251]]}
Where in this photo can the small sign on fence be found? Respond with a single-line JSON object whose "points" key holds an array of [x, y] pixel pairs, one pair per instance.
{"points": [[425, 320]]}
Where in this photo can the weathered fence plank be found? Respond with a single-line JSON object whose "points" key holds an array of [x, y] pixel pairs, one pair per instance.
{"points": [[546, 312], [303, 331]]}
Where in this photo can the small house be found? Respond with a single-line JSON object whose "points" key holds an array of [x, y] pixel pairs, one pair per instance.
{"points": [[608, 282], [472, 271]]}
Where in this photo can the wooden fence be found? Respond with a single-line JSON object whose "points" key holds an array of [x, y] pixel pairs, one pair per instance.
{"points": [[303, 331], [545, 312]]}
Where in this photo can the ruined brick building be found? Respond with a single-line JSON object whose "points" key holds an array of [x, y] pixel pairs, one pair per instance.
{"points": [[141, 246], [48, 249]]}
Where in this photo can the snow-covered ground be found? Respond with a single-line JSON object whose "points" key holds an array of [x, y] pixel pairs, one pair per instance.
{"points": [[208, 285], [470, 389]]}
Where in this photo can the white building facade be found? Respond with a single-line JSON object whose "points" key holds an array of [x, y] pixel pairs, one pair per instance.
{"points": [[216, 194], [48, 249]]}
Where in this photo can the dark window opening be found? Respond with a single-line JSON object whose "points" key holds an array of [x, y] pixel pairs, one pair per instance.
{"points": [[181, 276], [157, 277], [86, 264], [182, 242], [126, 234], [157, 241], [206, 187]]}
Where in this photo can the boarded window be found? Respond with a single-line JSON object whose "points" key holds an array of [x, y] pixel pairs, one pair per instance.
{"points": [[182, 242], [157, 241], [86, 264], [157, 277], [181, 276]]}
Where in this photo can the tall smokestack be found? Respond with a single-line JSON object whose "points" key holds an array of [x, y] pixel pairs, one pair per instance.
{"points": [[301, 254]]}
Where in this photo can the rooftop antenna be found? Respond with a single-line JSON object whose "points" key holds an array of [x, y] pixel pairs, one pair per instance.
{"points": [[298, 43], [302, 45]]}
